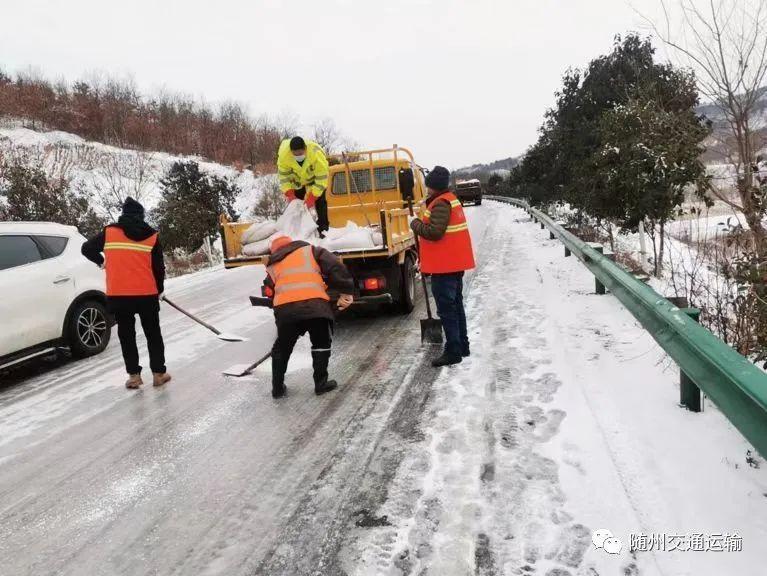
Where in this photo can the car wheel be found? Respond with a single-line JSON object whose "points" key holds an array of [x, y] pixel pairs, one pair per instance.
{"points": [[407, 296], [89, 329]]}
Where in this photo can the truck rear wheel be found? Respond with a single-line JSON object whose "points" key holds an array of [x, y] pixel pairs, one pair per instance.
{"points": [[407, 286]]}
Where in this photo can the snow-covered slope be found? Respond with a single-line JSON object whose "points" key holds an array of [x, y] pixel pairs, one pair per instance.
{"points": [[107, 172]]}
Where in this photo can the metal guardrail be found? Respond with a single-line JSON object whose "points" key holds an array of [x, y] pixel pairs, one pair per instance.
{"points": [[735, 385]]}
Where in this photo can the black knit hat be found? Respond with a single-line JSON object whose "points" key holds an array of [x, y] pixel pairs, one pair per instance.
{"points": [[297, 143], [438, 179], [132, 208]]}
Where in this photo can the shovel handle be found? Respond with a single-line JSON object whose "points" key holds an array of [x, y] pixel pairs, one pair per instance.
{"points": [[257, 363], [192, 316], [426, 295]]}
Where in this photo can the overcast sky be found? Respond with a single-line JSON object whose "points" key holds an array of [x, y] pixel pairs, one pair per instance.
{"points": [[456, 81]]}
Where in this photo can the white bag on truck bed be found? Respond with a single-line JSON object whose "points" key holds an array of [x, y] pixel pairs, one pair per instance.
{"points": [[297, 222], [258, 231], [260, 247], [353, 239]]}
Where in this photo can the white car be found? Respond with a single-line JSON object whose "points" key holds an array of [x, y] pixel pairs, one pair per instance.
{"points": [[50, 295]]}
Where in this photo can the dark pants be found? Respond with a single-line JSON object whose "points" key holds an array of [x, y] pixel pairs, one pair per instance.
{"points": [[148, 310], [448, 294], [322, 209], [321, 335]]}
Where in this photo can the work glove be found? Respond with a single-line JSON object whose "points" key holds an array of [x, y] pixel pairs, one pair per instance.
{"points": [[290, 195], [310, 200]]}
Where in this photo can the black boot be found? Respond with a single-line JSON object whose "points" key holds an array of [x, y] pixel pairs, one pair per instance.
{"points": [[279, 367], [327, 386], [320, 362], [466, 352], [447, 359], [279, 391]]}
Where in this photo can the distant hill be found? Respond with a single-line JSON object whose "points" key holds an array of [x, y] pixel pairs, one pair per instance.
{"points": [[483, 171], [716, 150]]}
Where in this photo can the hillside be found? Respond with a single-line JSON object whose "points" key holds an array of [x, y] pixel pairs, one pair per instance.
{"points": [[716, 151], [483, 171], [108, 174]]}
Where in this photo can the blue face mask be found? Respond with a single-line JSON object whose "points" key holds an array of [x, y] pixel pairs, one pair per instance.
{"points": [[300, 158]]}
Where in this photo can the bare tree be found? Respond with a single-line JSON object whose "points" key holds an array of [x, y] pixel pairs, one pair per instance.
{"points": [[327, 135], [118, 176], [725, 42]]}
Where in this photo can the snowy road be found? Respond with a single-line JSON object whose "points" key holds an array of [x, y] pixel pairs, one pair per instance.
{"points": [[562, 422]]}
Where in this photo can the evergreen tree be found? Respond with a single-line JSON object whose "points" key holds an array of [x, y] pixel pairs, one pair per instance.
{"points": [[191, 204], [27, 194]]}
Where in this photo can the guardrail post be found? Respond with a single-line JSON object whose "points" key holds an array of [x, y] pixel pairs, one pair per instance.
{"points": [[689, 393], [599, 287], [567, 252], [551, 235], [542, 225]]}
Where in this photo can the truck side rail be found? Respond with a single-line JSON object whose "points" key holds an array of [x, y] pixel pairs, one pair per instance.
{"points": [[735, 385]]}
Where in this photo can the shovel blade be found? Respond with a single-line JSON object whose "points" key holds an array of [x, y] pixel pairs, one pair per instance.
{"points": [[231, 337], [238, 370], [431, 332]]}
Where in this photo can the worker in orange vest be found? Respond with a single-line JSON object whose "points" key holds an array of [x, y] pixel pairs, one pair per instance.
{"points": [[446, 253], [297, 278], [135, 270]]}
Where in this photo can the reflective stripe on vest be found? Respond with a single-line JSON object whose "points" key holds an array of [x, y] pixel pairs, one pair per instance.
{"points": [[128, 264], [297, 277], [453, 252]]}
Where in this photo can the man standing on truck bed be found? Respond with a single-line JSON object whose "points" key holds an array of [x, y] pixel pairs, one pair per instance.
{"points": [[446, 253], [303, 171], [135, 279], [297, 277]]}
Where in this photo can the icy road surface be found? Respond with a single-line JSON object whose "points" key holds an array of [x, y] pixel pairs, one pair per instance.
{"points": [[563, 421]]}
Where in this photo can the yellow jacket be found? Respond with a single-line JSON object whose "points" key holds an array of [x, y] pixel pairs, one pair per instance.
{"points": [[313, 173]]}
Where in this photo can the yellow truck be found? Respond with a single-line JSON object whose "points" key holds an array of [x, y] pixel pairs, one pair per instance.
{"points": [[376, 188]]}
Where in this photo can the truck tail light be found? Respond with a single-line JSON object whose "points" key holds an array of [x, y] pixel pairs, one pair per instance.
{"points": [[374, 283]]}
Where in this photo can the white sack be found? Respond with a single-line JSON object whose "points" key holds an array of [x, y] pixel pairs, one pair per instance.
{"points": [[260, 247], [359, 239], [258, 231], [297, 222], [336, 233], [377, 238]]}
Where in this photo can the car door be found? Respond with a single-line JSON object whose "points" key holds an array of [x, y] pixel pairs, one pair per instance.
{"points": [[33, 289]]}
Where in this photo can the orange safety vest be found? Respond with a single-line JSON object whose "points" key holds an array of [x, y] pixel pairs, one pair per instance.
{"points": [[297, 277], [128, 264], [453, 252]]}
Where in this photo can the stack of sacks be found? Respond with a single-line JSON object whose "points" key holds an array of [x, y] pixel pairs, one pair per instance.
{"points": [[298, 224], [257, 239]]}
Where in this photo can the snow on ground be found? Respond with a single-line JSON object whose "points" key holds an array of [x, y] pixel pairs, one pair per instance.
{"points": [[563, 421], [105, 171]]}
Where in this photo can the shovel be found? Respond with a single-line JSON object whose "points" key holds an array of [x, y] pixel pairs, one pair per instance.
{"points": [[239, 370], [222, 335], [431, 329]]}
